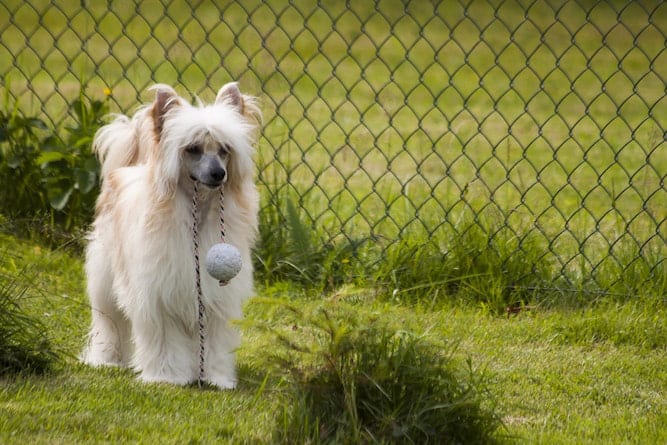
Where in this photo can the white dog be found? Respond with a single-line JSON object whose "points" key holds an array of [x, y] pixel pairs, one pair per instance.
{"points": [[140, 262]]}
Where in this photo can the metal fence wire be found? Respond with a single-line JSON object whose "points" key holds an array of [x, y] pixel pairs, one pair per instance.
{"points": [[401, 118]]}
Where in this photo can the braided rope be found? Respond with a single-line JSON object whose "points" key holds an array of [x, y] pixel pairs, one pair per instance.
{"points": [[222, 223], [222, 213], [201, 310]]}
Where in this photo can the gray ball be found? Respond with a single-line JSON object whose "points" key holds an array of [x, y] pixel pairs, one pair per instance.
{"points": [[223, 262]]}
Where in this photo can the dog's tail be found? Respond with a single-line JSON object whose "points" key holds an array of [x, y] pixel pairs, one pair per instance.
{"points": [[118, 143]]}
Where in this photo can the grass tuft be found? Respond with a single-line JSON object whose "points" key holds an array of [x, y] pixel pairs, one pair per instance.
{"points": [[354, 380], [24, 344]]}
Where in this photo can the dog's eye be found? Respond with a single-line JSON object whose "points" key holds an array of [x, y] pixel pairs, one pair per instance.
{"points": [[193, 149], [224, 150]]}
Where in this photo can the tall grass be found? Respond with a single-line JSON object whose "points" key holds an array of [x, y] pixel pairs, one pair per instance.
{"points": [[25, 346], [472, 269], [291, 248], [469, 259]]}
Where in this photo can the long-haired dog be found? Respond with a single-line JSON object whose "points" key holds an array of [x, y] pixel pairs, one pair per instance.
{"points": [[139, 261]]}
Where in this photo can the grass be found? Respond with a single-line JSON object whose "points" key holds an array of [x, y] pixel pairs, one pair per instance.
{"points": [[553, 375]]}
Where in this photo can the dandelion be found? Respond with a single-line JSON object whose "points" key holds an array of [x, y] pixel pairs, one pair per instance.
{"points": [[107, 91]]}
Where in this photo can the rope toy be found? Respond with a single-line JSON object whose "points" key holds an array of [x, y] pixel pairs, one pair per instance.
{"points": [[223, 262]]}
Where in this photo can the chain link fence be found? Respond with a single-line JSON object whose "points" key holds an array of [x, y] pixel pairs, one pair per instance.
{"points": [[399, 118]]}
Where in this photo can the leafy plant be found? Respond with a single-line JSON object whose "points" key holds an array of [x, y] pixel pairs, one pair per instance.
{"points": [[49, 177], [70, 169], [20, 143]]}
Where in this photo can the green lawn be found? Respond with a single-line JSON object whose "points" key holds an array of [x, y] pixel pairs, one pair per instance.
{"points": [[397, 119], [590, 375]]}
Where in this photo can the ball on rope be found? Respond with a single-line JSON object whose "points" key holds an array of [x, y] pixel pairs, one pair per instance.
{"points": [[223, 262]]}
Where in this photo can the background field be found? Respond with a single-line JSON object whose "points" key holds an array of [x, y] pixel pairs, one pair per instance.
{"points": [[544, 121]]}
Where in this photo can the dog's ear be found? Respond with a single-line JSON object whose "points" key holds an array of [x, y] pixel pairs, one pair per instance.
{"points": [[164, 162], [245, 105], [231, 94], [165, 99]]}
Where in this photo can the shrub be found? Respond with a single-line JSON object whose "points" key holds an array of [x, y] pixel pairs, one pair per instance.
{"points": [[20, 178], [51, 180], [70, 169]]}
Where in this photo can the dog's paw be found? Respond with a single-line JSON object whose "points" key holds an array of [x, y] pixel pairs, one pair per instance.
{"points": [[101, 355], [147, 377], [223, 381], [99, 363]]}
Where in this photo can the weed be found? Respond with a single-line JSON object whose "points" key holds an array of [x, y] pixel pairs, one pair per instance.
{"points": [[469, 259], [631, 270], [472, 261]]}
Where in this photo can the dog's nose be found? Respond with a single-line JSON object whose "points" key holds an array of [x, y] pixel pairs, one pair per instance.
{"points": [[218, 174]]}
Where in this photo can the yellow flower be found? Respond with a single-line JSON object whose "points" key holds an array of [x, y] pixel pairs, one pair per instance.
{"points": [[107, 91]]}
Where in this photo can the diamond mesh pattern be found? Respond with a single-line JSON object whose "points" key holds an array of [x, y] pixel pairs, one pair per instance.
{"points": [[391, 118]]}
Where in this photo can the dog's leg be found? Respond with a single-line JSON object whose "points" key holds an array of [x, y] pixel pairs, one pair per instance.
{"points": [[108, 340], [164, 351], [222, 339]]}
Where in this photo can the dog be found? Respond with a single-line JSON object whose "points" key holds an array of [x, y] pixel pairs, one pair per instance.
{"points": [[140, 262]]}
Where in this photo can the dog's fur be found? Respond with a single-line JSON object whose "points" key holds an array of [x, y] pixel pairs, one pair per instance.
{"points": [[140, 262]]}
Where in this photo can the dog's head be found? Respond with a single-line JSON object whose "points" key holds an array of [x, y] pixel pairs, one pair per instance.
{"points": [[210, 144]]}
